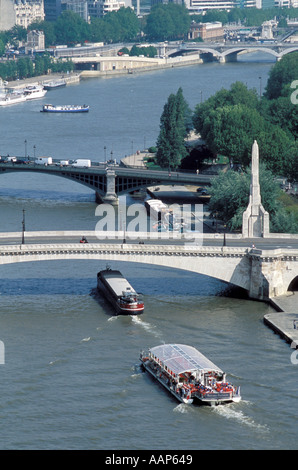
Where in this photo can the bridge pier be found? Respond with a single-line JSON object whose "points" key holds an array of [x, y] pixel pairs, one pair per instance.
{"points": [[110, 197], [270, 274]]}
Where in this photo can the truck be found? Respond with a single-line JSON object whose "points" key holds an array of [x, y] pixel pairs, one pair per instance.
{"points": [[81, 163], [9, 159], [44, 161]]}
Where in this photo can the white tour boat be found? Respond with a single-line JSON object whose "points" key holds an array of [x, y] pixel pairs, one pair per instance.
{"points": [[189, 375], [33, 92], [12, 98]]}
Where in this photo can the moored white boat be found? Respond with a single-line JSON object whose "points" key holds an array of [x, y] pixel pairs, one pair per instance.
{"points": [[12, 98], [189, 375], [33, 92]]}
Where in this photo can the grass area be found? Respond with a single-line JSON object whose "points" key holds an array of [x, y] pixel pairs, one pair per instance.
{"points": [[151, 164]]}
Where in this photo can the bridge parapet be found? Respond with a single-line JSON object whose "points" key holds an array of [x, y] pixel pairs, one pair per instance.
{"points": [[263, 273]]}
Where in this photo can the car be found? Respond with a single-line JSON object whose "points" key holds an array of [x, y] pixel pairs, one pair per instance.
{"points": [[202, 191], [20, 161]]}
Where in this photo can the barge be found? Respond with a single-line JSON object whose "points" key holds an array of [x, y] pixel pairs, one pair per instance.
{"points": [[189, 375], [119, 292], [54, 84]]}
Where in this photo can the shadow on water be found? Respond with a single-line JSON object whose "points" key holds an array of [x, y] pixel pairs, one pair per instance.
{"points": [[232, 291]]}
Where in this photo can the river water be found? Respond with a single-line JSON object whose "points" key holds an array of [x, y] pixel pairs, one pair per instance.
{"points": [[71, 378]]}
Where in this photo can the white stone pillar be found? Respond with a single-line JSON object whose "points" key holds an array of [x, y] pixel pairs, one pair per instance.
{"points": [[111, 196]]}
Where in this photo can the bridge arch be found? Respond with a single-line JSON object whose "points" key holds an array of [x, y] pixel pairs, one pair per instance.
{"points": [[227, 267], [98, 185], [237, 50], [288, 51], [293, 285]]}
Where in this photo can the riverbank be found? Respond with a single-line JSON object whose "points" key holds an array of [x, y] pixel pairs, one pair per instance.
{"points": [[112, 66], [71, 78]]}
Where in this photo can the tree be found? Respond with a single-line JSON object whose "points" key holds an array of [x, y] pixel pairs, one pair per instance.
{"points": [[170, 143], [230, 130], [230, 195], [166, 22], [2, 48], [238, 94], [70, 28], [281, 76]]}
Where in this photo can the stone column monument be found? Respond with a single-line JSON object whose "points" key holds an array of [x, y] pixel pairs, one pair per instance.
{"points": [[255, 220]]}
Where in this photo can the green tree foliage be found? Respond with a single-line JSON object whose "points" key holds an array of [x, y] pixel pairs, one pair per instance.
{"points": [[70, 28], [230, 196], [25, 67], [167, 22], [146, 51], [238, 94], [281, 76], [170, 143], [122, 25], [276, 105], [229, 121], [2, 47]]}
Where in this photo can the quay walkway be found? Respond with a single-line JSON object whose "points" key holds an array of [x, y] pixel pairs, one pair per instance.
{"points": [[285, 321]]}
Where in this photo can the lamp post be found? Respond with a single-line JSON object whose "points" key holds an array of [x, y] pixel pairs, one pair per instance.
{"points": [[224, 239], [23, 228], [25, 142], [105, 152], [34, 149]]}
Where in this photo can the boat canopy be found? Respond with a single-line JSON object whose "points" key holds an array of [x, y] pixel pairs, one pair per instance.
{"points": [[179, 358]]}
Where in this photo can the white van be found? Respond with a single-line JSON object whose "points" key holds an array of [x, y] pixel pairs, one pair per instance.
{"points": [[10, 159], [44, 161], [82, 163]]}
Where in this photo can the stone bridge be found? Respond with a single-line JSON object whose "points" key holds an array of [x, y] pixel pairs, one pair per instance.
{"points": [[229, 52], [264, 274]]}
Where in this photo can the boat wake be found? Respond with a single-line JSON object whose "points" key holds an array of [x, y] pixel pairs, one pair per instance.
{"points": [[84, 340], [181, 408], [147, 326], [228, 412]]}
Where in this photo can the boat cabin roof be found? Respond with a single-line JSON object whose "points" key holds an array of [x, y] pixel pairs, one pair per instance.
{"points": [[179, 358]]}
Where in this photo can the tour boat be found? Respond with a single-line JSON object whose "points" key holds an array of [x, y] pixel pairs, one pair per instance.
{"points": [[165, 217], [33, 92], [119, 292], [189, 375], [50, 108], [12, 98]]}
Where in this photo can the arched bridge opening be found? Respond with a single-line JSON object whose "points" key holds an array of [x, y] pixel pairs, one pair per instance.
{"points": [[294, 285]]}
